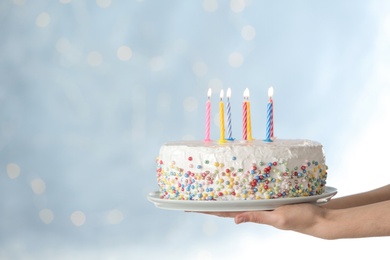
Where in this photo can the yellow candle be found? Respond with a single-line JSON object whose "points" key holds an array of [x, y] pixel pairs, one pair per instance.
{"points": [[248, 116], [221, 120]]}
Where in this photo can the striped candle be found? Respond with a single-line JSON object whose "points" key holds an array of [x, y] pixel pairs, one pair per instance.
{"points": [[229, 115], [269, 128], [221, 119], [244, 117], [270, 94], [208, 115], [249, 121]]}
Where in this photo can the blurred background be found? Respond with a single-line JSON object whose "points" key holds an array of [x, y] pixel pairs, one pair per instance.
{"points": [[90, 90]]}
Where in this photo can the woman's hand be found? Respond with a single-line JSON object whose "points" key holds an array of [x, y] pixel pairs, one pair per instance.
{"points": [[360, 215], [371, 220], [303, 218]]}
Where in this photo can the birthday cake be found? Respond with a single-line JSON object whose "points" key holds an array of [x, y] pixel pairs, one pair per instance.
{"points": [[241, 170]]}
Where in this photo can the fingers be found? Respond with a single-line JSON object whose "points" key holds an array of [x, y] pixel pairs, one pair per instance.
{"points": [[221, 214], [260, 217]]}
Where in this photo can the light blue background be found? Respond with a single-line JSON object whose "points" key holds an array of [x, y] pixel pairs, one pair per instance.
{"points": [[80, 128]]}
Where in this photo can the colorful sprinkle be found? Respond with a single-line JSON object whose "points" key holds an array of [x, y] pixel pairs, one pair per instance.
{"points": [[249, 182]]}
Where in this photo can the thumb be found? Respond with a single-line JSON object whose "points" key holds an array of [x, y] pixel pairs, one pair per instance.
{"points": [[260, 217]]}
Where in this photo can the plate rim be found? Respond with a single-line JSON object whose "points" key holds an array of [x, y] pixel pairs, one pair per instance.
{"points": [[239, 205]]}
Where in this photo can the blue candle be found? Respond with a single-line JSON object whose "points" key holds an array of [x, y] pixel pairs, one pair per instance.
{"points": [[269, 128], [270, 94], [229, 115]]}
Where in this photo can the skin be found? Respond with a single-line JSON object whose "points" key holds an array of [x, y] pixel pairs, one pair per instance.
{"points": [[360, 215]]}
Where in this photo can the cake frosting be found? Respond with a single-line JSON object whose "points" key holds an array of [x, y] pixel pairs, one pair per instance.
{"points": [[241, 170]]}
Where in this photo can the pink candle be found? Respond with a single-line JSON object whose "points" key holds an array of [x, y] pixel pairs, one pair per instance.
{"points": [[249, 124], [244, 117], [208, 116]]}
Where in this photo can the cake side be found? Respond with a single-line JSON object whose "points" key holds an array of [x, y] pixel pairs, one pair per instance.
{"points": [[195, 170]]}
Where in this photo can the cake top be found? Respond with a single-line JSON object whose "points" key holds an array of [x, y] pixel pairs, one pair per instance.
{"points": [[250, 151]]}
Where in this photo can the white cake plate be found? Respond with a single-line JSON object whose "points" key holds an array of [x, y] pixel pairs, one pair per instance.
{"points": [[237, 205]]}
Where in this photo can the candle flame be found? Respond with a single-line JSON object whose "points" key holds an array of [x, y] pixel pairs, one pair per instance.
{"points": [[228, 93], [270, 92], [209, 93], [221, 95], [246, 93]]}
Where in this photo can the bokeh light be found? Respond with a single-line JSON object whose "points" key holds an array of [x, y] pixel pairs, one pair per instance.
{"points": [[78, 218], [236, 59], [210, 5], [94, 58], [13, 170], [115, 217], [38, 186], [237, 5], [248, 32], [46, 215], [43, 20], [103, 3], [124, 53]]}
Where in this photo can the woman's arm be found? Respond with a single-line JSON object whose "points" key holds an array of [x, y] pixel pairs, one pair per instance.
{"points": [[364, 221], [360, 215], [360, 199]]}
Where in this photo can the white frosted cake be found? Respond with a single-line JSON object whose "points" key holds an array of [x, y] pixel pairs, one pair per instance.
{"points": [[237, 170]]}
